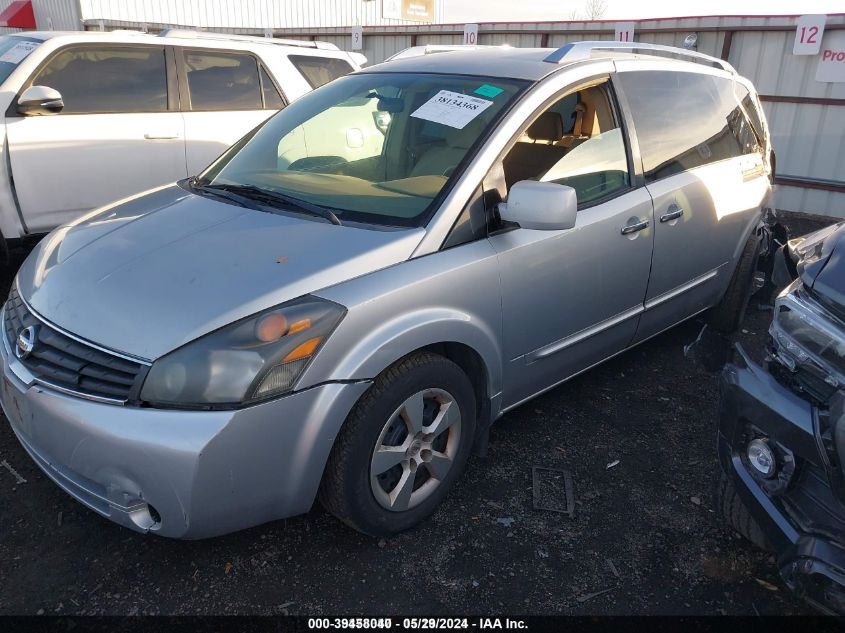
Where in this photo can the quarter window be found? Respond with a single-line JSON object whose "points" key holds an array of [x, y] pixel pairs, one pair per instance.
{"points": [[108, 79], [577, 142], [272, 99], [223, 81], [685, 120], [750, 106], [320, 70]]}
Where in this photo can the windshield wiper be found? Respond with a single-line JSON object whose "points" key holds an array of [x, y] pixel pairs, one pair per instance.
{"points": [[252, 192], [242, 201]]}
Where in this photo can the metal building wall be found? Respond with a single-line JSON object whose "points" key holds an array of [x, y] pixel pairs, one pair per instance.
{"points": [[253, 15], [57, 15], [3, 29]]}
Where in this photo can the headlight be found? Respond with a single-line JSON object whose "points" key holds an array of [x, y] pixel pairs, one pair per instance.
{"points": [[810, 246], [250, 360], [806, 335]]}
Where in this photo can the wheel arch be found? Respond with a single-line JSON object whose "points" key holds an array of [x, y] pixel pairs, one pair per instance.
{"points": [[362, 353]]}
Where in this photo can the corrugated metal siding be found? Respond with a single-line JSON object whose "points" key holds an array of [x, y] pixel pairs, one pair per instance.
{"points": [[808, 139], [3, 29], [64, 15], [244, 14]]}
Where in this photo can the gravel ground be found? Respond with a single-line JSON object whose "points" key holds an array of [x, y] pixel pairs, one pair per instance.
{"points": [[645, 538]]}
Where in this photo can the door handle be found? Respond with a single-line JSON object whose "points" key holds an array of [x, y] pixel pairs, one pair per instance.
{"points": [[160, 137], [672, 213], [633, 228]]}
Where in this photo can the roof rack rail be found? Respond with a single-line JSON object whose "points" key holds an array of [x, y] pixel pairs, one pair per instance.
{"points": [[211, 35], [577, 51]]}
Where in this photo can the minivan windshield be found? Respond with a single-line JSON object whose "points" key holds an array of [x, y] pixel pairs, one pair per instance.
{"points": [[13, 50], [379, 148]]}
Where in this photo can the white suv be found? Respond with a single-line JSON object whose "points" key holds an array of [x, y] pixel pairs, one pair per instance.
{"points": [[93, 117]]}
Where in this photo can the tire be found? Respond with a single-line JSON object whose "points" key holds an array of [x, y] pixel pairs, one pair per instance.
{"points": [[355, 491], [736, 514], [727, 315]]}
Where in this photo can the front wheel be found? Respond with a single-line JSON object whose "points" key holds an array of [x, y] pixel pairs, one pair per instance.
{"points": [[402, 447]]}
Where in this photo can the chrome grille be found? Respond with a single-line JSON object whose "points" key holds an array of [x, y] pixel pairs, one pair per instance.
{"points": [[68, 364]]}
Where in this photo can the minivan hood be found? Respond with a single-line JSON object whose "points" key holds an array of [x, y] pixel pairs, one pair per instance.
{"points": [[157, 271]]}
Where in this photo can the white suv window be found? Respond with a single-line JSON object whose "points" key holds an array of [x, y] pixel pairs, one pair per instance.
{"points": [[319, 71], [223, 81], [101, 79]]}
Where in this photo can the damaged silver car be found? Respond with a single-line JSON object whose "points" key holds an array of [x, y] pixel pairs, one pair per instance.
{"points": [[344, 302]]}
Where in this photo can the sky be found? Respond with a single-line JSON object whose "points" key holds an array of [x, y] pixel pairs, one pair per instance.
{"points": [[540, 10]]}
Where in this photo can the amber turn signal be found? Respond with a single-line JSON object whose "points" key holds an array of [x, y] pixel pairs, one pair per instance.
{"points": [[304, 350]]}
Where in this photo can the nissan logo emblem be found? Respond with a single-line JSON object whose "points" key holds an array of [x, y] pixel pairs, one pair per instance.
{"points": [[27, 338]]}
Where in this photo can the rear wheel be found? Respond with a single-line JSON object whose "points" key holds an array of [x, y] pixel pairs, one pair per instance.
{"points": [[736, 514], [402, 447], [727, 315]]}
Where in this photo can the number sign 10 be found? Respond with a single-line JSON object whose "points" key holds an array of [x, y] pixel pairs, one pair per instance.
{"points": [[808, 35], [470, 34]]}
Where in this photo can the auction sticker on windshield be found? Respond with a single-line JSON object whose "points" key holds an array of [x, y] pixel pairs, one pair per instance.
{"points": [[18, 52], [451, 108]]}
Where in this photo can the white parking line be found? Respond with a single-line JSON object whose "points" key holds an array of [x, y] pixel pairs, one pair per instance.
{"points": [[15, 473]]}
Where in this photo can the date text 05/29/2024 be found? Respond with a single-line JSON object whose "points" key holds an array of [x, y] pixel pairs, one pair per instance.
{"points": [[435, 624]]}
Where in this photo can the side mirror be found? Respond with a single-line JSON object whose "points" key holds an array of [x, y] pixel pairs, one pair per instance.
{"points": [[543, 206], [40, 101]]}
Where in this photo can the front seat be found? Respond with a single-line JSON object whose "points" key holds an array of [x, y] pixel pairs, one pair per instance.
{"points": [[442, 158], [529, 160]]}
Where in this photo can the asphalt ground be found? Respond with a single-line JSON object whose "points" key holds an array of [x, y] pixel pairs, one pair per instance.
{"points": [[637, 435]]}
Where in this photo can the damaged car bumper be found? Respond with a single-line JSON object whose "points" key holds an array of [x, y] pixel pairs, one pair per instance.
{"points": [[178, 473], [799, 505]]}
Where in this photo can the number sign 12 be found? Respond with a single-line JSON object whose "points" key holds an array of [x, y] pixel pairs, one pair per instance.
{"points": [[808, 35]]}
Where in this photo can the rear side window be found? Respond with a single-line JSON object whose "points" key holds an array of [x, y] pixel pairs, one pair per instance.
{"points": [[108, 79], [320, 70], [750, 106], [685, 120], [223, 81]]}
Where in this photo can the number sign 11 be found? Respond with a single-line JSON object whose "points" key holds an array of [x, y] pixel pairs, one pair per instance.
{"points": [[808, 35]]}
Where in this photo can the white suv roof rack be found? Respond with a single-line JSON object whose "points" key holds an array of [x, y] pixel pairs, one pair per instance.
{"points": [[428, 49], [210, 35], [577, 51]]}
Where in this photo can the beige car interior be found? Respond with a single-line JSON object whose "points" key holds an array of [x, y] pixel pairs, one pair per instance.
{"points": [[571, 121]]}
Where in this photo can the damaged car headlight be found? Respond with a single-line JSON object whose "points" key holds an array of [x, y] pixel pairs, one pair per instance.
{"points": [[248, 361], [807, 336], [809, 246]]}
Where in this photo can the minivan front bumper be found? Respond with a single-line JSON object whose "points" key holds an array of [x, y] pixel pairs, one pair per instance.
{"points": [[798, 510], [181, 474]]}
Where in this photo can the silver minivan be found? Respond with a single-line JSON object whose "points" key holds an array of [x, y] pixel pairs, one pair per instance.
{"points": [[342, 312]]}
